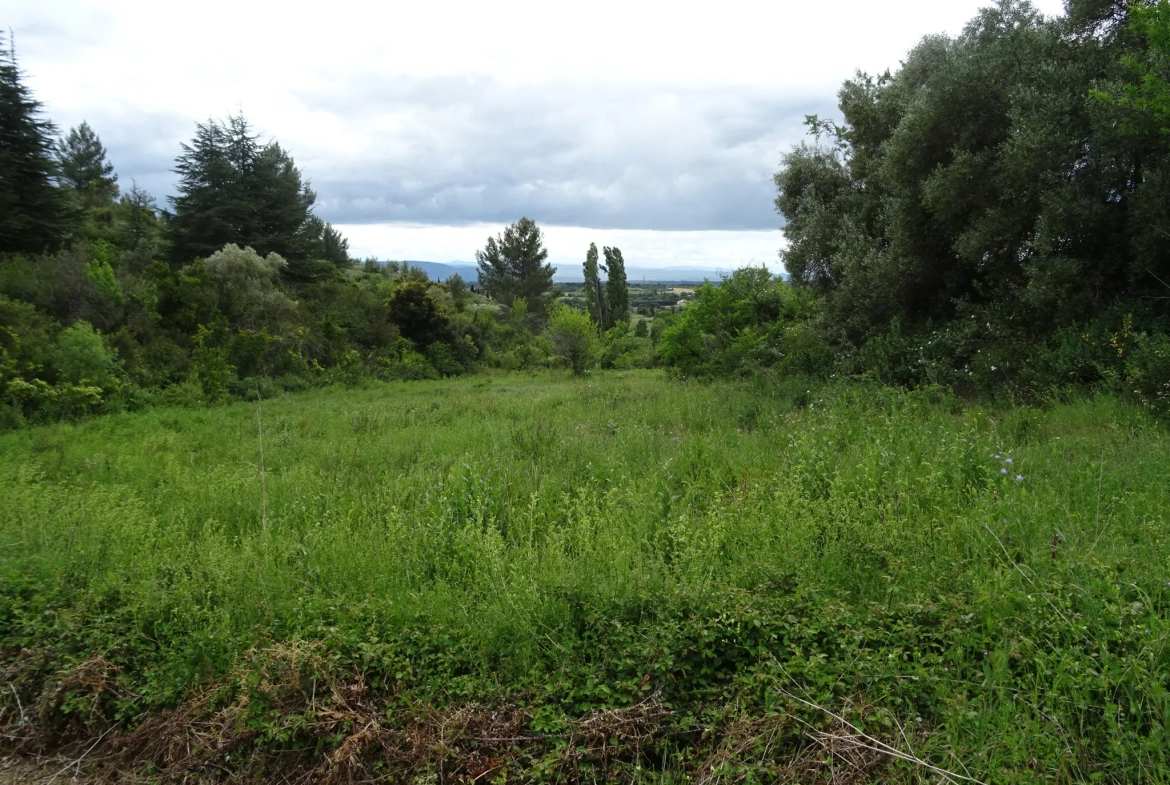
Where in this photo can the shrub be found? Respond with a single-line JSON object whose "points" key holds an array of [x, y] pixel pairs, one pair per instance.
{"points": [[209, 366], [1148, 372], [405, 363], [246, 284], [443, 359], [573, 336], [83, 358]]}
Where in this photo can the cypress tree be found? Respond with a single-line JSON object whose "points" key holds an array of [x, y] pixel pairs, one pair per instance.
{"points": [[617, 295], [33, 212], [594, 295]]}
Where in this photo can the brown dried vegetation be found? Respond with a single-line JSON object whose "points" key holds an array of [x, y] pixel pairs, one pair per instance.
{"points": [[285, 716]]}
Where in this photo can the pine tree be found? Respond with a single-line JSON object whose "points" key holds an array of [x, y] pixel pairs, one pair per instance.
{"points": [[336, 247], [512, 265], [233, 190], [617, 295], [33, 212], [594, 294], [82, 165], [137, 216]]}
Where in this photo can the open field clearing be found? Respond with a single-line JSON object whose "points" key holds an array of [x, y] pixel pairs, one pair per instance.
{"points": [[529, 577]]}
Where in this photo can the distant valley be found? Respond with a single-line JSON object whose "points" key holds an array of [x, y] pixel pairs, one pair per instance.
{"points": [[440, 272]]}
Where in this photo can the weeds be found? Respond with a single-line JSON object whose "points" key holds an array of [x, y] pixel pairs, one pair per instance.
{"points": [[620, 578]]}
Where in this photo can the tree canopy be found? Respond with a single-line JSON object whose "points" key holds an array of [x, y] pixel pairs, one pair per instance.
{"points": [[82, 164], [232, 189], [513, 265], [33, 213], [983, 184], [617, 295]]}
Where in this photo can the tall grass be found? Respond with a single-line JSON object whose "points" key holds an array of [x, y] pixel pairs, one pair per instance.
{"points": [[1003, 571]]}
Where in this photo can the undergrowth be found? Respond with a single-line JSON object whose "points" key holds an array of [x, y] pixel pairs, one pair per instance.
{"points": [[617, 578]]}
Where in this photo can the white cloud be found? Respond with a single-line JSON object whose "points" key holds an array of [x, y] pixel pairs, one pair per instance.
{"points": [[567, 245]]}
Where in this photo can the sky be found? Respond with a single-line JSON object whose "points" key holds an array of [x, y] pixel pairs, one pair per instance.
{"points": [[425, 128]]}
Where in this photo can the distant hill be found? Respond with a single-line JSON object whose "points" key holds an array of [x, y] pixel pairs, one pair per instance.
{"points": [[440, 271]]}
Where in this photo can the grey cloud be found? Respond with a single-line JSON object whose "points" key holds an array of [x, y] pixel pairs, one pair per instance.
{"points": [[466, 151], [459, 151]]}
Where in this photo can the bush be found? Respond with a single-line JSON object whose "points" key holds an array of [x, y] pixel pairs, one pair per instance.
{"points": [[736, 327], [573, 336], [443, 359], [405, 363], [1148, 372], [83, 358]]}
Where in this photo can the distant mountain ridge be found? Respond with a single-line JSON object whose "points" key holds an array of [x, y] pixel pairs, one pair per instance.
{"points": [[440, 272]]}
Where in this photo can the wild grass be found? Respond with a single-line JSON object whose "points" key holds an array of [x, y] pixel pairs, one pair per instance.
{"points": [[984, 589]]}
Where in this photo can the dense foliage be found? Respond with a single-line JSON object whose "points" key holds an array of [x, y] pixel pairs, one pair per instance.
{"points": [[32, 211], [986, 217], [108, 303]]}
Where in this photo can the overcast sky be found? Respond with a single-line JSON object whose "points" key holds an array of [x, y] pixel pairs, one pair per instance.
{"points": [[426, 126]]}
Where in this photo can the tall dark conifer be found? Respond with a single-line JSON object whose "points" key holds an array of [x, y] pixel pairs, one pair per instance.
{"points": [[234, 190], [335, 248], [82, 165], [33, 213]]}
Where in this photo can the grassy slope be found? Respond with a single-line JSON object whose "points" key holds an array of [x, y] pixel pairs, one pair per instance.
{"points": [[715, 555]]}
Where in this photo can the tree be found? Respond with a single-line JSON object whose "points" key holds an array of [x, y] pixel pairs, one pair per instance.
{"points": [[137, 216], [335, 247], [82, 165], [33, 213], [233, 190], [1147, 90], [594, 294], [247, 286], [982, 185], [512, 265], [574, 337], [458, 290], [617, 294], [416, 313]]}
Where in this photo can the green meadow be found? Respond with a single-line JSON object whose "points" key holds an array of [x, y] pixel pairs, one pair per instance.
{"points": [[530, 577]]}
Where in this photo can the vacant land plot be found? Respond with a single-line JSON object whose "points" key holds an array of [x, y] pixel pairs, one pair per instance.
{"points": [[531, 577]]}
